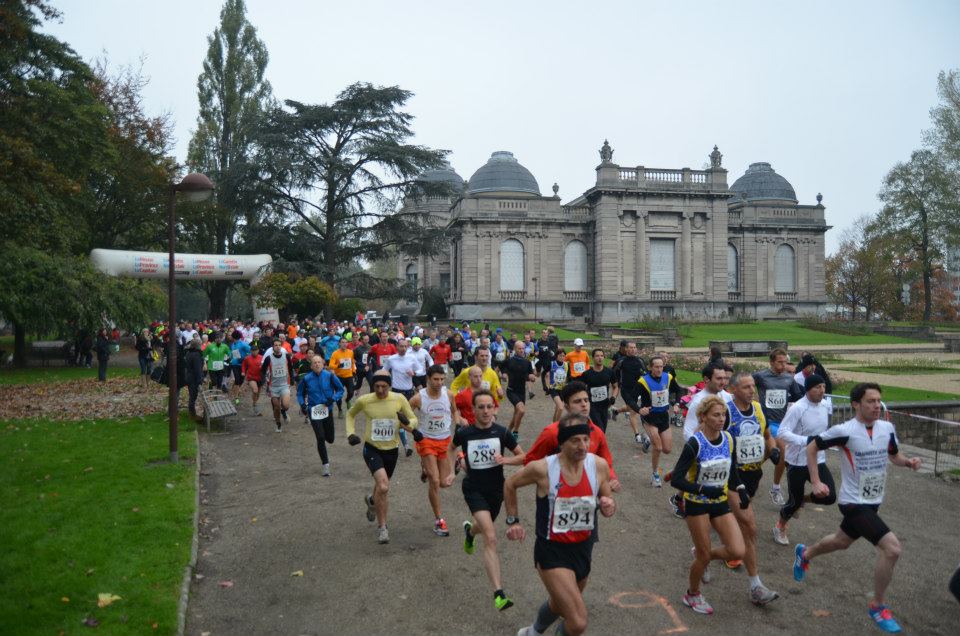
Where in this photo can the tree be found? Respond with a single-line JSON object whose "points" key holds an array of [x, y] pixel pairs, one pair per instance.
{"points": [[53, 293], [341, 170], [945, 134], [858, 275], [233, 96], [922, 211], [293, 293]]}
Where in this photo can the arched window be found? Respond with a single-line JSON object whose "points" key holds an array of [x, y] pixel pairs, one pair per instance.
{"points": [[784, 267], [511, 265], [411, 273], [733, 269], [575, 266]]}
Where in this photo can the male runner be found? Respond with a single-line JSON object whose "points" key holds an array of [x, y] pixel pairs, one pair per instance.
{"points": [[776, 389], [867, 442], [386, 413], [483, 445], [216, 354], [656, 388], [490, 381], [238, 351], [578, 359], [545, 355], [603, 389], [571, 486], [436, 409], [344, 365], [316, 393], [807, 418], [753, 444], [629, 369], [440, 352], [402, 366], [278, 369], [252, 369], [424, 362], [517, 370]]}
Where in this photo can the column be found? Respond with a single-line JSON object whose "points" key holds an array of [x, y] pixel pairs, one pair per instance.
{"points": [[686, 255]]}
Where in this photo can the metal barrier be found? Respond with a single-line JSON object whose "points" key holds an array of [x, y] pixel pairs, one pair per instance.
{"points": [[938, 439]]}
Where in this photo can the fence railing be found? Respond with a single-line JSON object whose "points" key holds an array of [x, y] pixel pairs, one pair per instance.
{"points": [[940, 437]]}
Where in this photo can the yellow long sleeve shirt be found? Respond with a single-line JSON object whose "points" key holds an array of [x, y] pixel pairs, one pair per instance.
{"points": [[491, 382], [382, 428]]}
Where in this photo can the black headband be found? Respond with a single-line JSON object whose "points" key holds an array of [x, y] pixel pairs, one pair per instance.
{"points": [[566, 432]]}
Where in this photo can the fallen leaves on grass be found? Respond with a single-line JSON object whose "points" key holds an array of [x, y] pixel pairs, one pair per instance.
{"points": [[65, 599], [82, 399], [297, 573], [106, 598]]}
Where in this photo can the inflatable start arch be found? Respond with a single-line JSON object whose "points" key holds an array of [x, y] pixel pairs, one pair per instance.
{"points": [[188, 267]]}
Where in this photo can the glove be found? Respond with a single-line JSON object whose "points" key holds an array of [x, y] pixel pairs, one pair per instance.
{"points": [[712, 492], [417, 435], [775, 456], [353, 440], [403, 418], [744, 497], [303, 409], [613, 400]]}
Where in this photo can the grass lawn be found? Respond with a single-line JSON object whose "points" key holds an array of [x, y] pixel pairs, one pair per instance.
{"points": [[91, 507], [33, 375], [792, 332], [894, 369]]}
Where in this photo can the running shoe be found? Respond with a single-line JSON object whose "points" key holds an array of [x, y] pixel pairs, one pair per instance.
{"points": [[257, 412], [697, 603], [884, 619], [800, 565], [733, 565], [760, 595], [371, 510], [326, 470], [614, 413], [780, 535], [440, 528], [409, 451], [676, 501], [279, 428], [529, 395], [382, 535], [527, 631], [656, 480], [501, 602], [469, 544], [777, 497], [638, 438], [457, 465], [645, 444], [284, 415]]}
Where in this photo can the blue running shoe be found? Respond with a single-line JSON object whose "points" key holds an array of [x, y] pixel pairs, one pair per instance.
{"points": [[884, 619], [800, 565]]}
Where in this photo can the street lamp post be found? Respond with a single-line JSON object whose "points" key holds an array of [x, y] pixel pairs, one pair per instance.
{"points": [[196, 187], [536, 297]]}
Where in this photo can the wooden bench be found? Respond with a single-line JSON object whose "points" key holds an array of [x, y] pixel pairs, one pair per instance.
{"points": [[216, 405], [748, 347]]}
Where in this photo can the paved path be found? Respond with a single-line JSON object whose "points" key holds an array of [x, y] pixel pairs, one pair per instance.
{"points": [[267, 513]]}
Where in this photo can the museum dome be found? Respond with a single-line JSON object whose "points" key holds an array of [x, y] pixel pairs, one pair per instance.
{"points": [[445, 174], [761, 182], [503, 173]]}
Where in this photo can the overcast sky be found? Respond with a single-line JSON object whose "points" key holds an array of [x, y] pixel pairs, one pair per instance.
{"points": [[832, 94]]}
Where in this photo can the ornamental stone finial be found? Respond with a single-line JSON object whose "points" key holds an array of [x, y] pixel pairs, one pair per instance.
{"points": [[715, 158], [606, 152], [556, 189], [819, 198]]}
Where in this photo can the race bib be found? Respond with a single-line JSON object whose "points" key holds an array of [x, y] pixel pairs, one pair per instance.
{"points": [[456, 356], [871, 487], [216, 365], [559, 376], [598, 394], [236, 354], [346, 363], [383, 430], [319, 412], [278, 371], [383, 360], [480, 453], [750, 449], [660, 398], [446, 369], [363, 358], [501, 356], [573, 514], [437, 424], [776, 398], [485, 385], [714, 472], [579, 367]]}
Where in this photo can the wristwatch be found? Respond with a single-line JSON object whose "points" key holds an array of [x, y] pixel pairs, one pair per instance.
{"points": [[512, 521]]}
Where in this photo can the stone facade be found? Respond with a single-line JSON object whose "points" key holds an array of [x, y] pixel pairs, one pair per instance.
{"points": [[642, 242]]}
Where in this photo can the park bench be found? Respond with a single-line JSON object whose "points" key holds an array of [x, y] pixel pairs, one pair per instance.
{"points": [[747, 347], [216, 405], [48, 350]]}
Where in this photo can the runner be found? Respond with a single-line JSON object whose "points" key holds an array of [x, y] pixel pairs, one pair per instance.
{"points": [[316, 393], [440, 352], [490, 381], [329, 343], [344, 365], [499, 349], [216, 355], [704, 474], [252, 370], [386, 413], [402, 367], [278, 369], [436, 406], [482, 487], [628, 370], [545, 354], [238, 351], [424, 362], [361, 356], [754, 443], [517, 371], [578, 359], [603, 389], [576, 399], [557, 379], [777, 389], [458, 353], [867, 442], [808, 418], [656, 389], [571, 486]]}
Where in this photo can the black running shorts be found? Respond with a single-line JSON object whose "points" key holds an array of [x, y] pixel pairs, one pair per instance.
{"points": [[862, 520], [377, 459], [549, 555]]}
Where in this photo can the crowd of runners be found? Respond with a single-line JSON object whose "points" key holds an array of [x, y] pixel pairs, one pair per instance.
{"points": [[439, 392]]}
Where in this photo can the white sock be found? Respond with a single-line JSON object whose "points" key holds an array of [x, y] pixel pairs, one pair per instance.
{"points": [[775, 487], [755, 582]]}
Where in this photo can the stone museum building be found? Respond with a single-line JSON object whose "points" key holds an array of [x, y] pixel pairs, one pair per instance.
{"points": [[642, 242]]}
